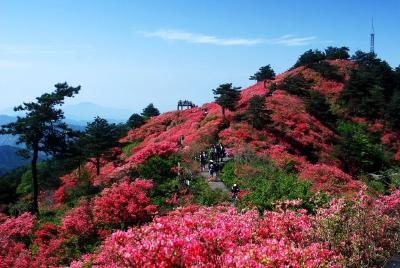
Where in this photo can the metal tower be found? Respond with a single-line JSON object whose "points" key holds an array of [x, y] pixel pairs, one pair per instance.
{"points": [[372, 47]]}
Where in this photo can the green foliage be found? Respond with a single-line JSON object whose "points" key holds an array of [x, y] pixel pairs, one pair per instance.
{"points": [[327, 71], [264, 73], [208, 119], [272, 88], [265, 183], [150, 111], [158, 169], [376, 186], [358, 151], [296, 85], [48, 172], [257, 114], [50, 216], [317, 105], [42, 128], [135, 121], [9, 183], [84, 188], [99, 138], [393, 111], [363, 96], [334, 53], [227, 97], [309, 58], [127, 149], [381, 72], [203, 195]]}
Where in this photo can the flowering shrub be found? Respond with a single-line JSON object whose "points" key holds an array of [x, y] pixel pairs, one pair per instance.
{"points": [[361, 229], [216, 237], [283, 159], [124, 203], [290, 117], [79, 220], [329, 179], [13, 252]]}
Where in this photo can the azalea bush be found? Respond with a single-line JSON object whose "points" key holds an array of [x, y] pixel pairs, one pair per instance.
{"points": [[328, 178], [14, 234], [124, 203], [216, 237], [365, 231]]}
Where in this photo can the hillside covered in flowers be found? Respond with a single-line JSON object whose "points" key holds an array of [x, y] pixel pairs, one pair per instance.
{"points": [[318, 176]]}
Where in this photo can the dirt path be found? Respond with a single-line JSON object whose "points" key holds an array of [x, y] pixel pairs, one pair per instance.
{"points": [[216, 183]]}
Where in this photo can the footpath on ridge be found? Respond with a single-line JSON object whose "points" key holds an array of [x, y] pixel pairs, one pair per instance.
{"points": [[215, 183]]}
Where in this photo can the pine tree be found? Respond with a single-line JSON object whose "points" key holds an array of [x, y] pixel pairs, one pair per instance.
{"points": [[335, 53], [135, 121], [150, 111], [227, 97], [42, 129], [100, 137], [264, 73], [257, 114]]}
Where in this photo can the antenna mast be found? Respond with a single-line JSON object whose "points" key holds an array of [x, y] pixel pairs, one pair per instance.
{"points": [[372, 47]]}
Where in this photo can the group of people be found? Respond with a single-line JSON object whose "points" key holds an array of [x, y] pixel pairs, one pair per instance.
{"points": [[212, 159]]}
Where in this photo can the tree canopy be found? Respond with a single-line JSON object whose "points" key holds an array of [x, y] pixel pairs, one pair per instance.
{"points": [[150, 111], [227, 96], [337, 53], [258, 115], [42, 128], [135, 121], [99, 138], [310, 57], [264, 73]]}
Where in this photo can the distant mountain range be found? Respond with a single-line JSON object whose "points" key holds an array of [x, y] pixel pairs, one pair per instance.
{"points": [[9, 159], [81, 113], [77, 116]]}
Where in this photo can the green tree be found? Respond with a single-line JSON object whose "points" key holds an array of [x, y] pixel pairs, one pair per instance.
{"points": [[358, 151], [258, 115], [334, 53], [296, 85], [264, 73], [150, 111], [363, 95], [380, 71], [42, 129], [309, 58], [393, 110], [227, 97], [327, 70], [75, 154], [318, 106], [135, 121], [99, 138]]}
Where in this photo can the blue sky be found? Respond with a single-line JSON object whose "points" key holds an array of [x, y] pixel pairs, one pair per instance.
{"points": [[127, 54]]}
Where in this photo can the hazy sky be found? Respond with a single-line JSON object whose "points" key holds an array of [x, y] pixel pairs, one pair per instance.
{"points": [[129, 53]]}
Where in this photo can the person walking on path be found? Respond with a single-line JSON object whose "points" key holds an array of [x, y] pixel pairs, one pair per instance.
{"points": [[211, 169], [203, 161], [235, 192]]}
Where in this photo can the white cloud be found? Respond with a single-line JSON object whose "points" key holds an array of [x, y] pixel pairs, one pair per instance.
{"points": [[199, 38], [291, 40]]}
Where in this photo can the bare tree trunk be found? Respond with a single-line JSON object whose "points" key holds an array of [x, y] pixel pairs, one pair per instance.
{"points": [[98, 166], [35, 187]]}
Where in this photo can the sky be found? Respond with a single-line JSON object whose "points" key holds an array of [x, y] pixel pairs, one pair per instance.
{"points": [[126, 54]]}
